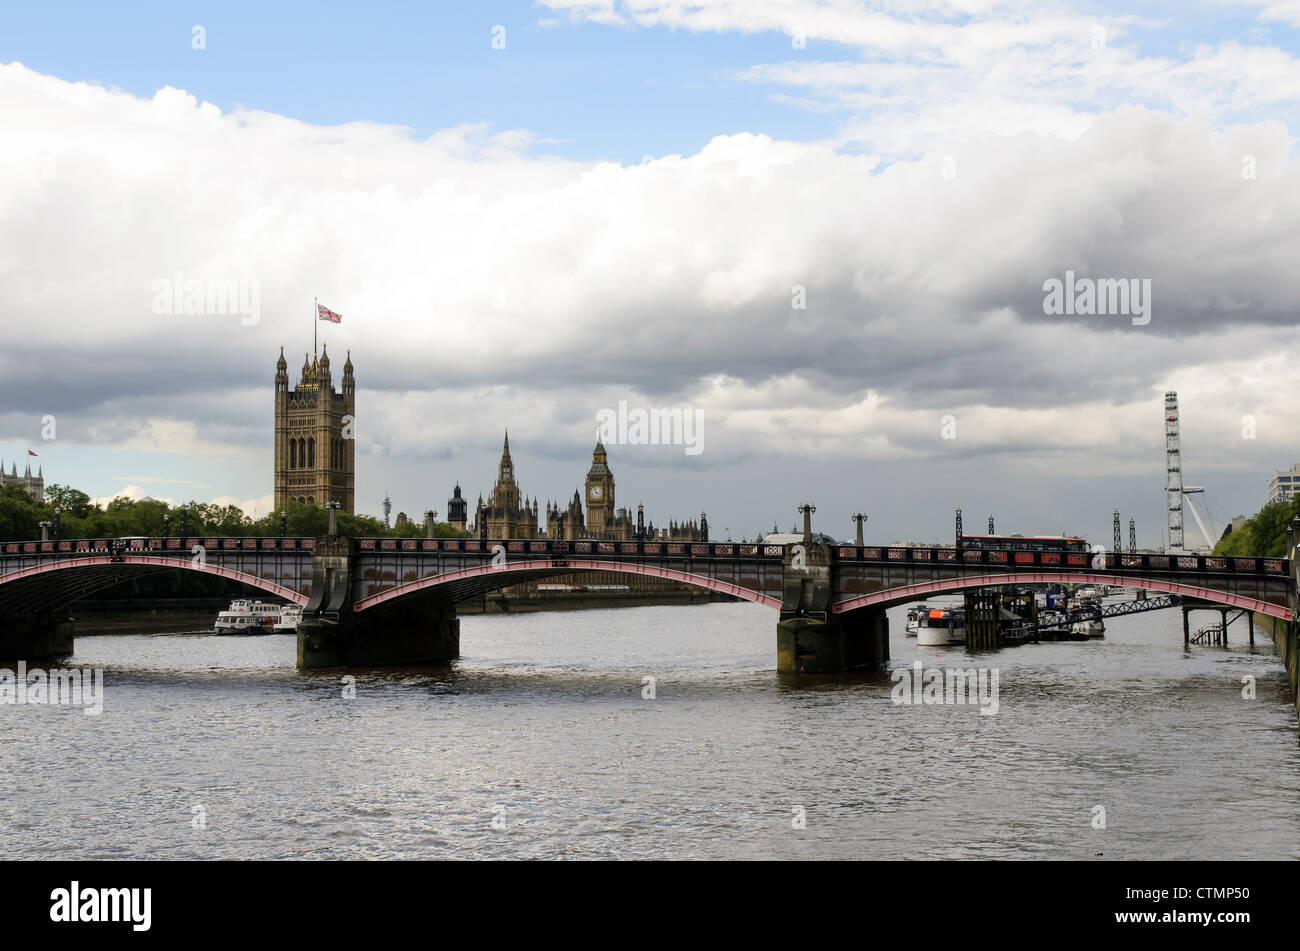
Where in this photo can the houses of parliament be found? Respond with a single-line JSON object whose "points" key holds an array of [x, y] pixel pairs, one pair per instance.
{"points": [[506, 514], [315, 463]]}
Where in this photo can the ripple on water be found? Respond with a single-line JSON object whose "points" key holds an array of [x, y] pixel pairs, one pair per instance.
{"points": [[542, 727]]}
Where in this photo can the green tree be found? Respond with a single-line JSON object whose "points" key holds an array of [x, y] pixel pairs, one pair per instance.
{"points": [[72, 501], [1263, 534]]}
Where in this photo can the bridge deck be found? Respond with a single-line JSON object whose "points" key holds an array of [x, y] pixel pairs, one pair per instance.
{"points": [[386, 569]]}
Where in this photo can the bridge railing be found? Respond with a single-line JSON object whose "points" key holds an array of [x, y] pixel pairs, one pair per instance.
{"points": [[155, 546], [1064, 560], [551, 548], [592, 548], [1012, 560]]}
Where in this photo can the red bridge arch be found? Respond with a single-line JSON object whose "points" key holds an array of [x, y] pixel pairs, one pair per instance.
{"points": [[153, 561], [516, 571], [899, 595]]}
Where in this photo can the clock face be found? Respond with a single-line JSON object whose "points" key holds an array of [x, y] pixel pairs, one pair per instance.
{"points": [[595, 492]]}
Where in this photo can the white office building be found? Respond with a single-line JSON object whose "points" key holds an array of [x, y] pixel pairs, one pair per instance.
{"points": [[1283, 485]]}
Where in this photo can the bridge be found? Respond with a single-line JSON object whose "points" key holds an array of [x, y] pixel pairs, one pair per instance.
{"points": [[382, 600]]}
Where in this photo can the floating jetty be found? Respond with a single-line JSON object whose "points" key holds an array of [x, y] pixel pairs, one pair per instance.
{"points": [[1001, 617]]}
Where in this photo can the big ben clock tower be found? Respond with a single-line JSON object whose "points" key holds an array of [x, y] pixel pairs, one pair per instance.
{"points": [[600, 493]]}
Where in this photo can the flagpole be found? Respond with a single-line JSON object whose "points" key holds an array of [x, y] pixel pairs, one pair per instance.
{"points": [[315, 310]]}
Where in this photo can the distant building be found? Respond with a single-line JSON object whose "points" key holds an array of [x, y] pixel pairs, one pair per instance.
{"points": [[508, 515], [1283, 485], [457, 511], [34, 484], [315, 456], [401, 520]]}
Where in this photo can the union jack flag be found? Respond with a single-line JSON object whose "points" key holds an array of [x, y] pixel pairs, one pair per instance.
{"points": [[324, 313]]}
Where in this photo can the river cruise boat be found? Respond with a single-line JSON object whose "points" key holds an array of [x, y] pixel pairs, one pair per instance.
{"points": [[940, 627], [914, 619], [248, 617], [290, 615]]}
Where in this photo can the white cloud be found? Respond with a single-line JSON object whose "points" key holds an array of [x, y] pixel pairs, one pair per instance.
{"points": [[483, 285]]}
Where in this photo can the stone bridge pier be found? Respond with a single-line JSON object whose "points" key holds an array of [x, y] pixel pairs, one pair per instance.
{"points": [[332, 634], [810, 637], [36, 635]]}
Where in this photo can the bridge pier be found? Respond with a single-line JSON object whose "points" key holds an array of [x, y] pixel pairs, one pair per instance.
{"points": [[332, 634], [856, 640], [404, 636], [38, 636], [810, 638]]}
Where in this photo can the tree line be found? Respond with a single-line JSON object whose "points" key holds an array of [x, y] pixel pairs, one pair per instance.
{"points": [[1263, 534], [80, 517]]}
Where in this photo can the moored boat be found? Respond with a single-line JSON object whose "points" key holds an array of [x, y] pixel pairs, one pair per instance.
{"points": [[939, 627], [248, 617], [290, 615], [1093, 627]]}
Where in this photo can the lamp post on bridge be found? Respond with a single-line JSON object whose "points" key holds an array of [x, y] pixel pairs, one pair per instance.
{"points": [[166, 524], [58, 527], [284, 522], [859, 518], [959, 527], [807, 510], [185, 516]]}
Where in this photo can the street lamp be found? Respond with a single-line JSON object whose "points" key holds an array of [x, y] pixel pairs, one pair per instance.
{"points": [[58, 527], [806, 510], [284, 522]]}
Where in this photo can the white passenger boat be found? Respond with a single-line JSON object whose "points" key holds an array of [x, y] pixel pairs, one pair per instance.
{"points": [[939, 627], [248, 617], [914, 619], [1093, 627], [290, 615]]}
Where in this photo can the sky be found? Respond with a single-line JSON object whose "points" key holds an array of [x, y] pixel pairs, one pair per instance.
{"points": [[825, 230]]}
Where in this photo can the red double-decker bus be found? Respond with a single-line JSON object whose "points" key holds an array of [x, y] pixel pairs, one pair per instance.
{"points": [[1027, 542]]}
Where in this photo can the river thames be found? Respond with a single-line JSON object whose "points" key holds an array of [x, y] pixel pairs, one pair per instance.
{"points": [[540, 742]]}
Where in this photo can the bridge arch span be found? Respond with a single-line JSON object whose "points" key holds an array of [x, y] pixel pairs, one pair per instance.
{"points": [[888, 597], [465, 583], [57, 583]]}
